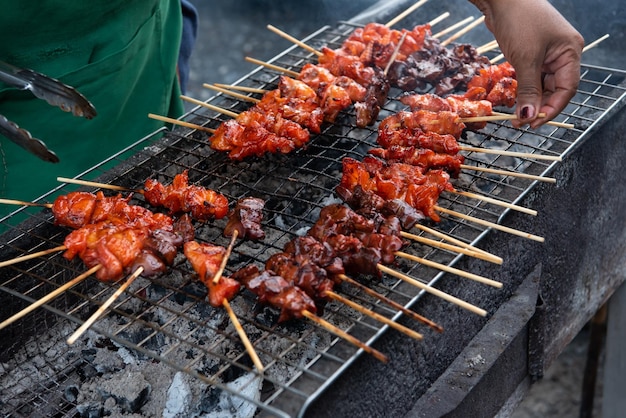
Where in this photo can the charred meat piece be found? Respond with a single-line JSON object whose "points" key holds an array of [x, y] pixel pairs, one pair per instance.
{"points": [[495, 83], [245, 218], [424, 158], [122, 243], [408, 129], [396, 181], [77, 209], [206, 260], [276, 291], [295, 101], [181, 197]]}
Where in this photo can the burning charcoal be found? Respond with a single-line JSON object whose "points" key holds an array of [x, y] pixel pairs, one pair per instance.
{"points": [[71, 393], [139, 335], [86, 371], [90, 410], [89, 355], [210, 399]]}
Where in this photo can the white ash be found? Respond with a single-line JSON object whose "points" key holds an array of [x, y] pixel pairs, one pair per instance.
{"points": [[331, 200], [229, 406], [216, 403], [99, 376], [178, 397], [116, 381]]}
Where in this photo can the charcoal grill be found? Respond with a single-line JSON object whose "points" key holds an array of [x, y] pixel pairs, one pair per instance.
{"points": [[161, 334]]}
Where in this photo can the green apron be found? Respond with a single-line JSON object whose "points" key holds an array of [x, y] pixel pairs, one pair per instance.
{"points": [[120, 54]]}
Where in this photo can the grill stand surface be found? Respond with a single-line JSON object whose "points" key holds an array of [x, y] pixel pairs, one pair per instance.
{"points": [[580, 265], [550, 291]]}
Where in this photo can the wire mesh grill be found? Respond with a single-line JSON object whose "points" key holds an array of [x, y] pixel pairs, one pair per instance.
{"points": [[164, 324]]}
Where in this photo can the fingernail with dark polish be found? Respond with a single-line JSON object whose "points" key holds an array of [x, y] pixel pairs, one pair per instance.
{"points": [[527, 112]]}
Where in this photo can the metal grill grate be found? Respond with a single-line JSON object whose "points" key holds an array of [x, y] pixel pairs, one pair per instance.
{"points": [[164, 324]]}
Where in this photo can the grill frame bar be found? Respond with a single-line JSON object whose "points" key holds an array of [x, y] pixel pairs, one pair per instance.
{"points": [[147, 147]]}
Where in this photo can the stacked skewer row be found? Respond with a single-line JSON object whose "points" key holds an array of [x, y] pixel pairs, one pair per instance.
{"points": [[388, 193]]}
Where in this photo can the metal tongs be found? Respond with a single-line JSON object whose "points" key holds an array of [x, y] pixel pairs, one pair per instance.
{"points": [[46, 88]]}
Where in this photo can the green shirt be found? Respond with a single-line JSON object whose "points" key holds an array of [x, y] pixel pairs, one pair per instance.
{"points": [[120, 54]]}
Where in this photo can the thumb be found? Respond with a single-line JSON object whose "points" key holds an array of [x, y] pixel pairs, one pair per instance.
{"points": [[529, 91]]}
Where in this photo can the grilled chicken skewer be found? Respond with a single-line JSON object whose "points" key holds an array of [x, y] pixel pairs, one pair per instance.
{"points": [[228, 89], [178, 197], [399, 129], [209, 261]]}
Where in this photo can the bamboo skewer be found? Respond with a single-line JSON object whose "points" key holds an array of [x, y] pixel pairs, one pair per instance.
{"points": [[433, 291], [508, 116], [294, 40], [508, 173], [512, 153], [449, 269], [209, 106], [242, 333], [231, 93], [243, 336], [31, 256], [495, 202], [394, 54], [344, 335], [23, 203], [390, 302], [405, 13], [49, 296], [439, 18], [93, 318], [272, 66], [487, 47], [229, 249], [496, 58], [595, 43], [240, 88], [490, 224], [180, 123], [96, 184], [463, 31], [380, 318], [453, 27], [455, 241], [453, 248]]}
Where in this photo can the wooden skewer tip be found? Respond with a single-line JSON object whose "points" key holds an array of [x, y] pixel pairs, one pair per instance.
{"points": [[244, 337], [344, 335], [93, 318], [380, 318]]}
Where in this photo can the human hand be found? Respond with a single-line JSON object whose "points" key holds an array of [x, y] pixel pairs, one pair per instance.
{"points": [[545, 51]]}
